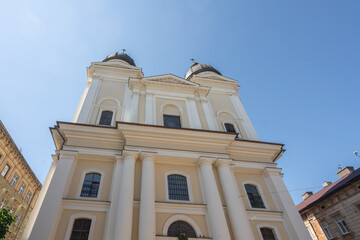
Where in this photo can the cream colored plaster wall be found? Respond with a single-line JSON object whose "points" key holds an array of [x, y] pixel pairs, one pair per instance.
{"points": [[142, 106], [65, 218], [82, 166], [162, 169], [161, 219], [164, 101], [202, 115], [279, 226], [257, 179]]}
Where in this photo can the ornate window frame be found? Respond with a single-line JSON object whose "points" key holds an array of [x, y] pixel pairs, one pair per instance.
{"points": [[75, 216], [261, 192], [268, 225], [188, 182], [106, 108], [232, 121], [181, 111], [179, 217], [83, 174]]}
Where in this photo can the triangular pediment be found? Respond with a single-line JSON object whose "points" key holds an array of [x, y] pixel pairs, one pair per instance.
{"points": [[169, 78]]}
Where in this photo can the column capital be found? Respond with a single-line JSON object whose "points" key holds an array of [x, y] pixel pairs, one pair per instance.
{"points": [[130, 155], [118, 157], [67, 154], [206, 161], [147, 156], [223, 162], [271, 171]]}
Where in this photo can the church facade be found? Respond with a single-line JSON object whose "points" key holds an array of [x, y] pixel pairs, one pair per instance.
{"points": [[162, 157]]}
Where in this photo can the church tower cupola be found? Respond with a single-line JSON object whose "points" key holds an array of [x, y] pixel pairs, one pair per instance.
{"points": [[120, 56], [197, 68]]}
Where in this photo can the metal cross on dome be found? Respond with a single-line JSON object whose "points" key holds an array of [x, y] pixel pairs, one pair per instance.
{"points": [[193, 60], [124, 50]]}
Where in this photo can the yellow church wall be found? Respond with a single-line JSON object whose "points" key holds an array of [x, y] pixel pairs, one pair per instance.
{"points": [[65, 223], [257, 179], [141, 109], [83, 166], [160, 181]]}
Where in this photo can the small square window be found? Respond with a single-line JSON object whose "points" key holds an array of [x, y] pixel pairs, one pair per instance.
{"points": [[230, 127], [172, 121]]}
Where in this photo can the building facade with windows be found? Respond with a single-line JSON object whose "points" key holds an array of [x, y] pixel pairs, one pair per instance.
{"points": [[162, 157], [19, 185], [334, 211]]}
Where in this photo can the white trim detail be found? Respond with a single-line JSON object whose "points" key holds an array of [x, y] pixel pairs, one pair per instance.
{"points": [[83, 174], [75, 216], [226, 111], [260, 191], [181, 110], [268, 225], [184, 218], [110, 99], [188, 182]]}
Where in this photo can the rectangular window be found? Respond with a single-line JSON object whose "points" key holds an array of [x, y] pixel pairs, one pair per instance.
{"points": [[106, 117], [28, 195], [325, 227], [14, 180], [18, 218], [172, 121], [21, 190], [5, 170], [340, 222], [3, 203]]}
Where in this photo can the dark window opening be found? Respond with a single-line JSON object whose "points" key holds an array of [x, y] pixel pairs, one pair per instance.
{"points": [[267, 234], [91, 185], [81, 229], [177, 186], [254, 196], [172, 121], [181, 228], [230, 127], [106, 117]]}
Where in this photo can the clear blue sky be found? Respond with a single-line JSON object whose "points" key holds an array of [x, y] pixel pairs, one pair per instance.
{"points": [[297, 62]]}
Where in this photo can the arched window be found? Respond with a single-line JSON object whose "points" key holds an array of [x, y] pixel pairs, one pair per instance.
{"points": [[267, 233], [91, 184], [181, 228], [254, 196], [81, 229], [106, 118], [230, 127], [177, 187], [171, 115]]}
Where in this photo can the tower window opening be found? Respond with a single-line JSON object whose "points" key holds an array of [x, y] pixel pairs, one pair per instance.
{"points": [[81, 229], [230, 127], [172, 121], [106, 118], [177, 187], [254, 196], [91, 185], [267, 233]]}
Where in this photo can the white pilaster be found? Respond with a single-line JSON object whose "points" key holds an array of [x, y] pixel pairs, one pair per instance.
{"points": [[83, 110], [126, 113], [240, 110], [210, 118], [238, 217], [217, 221], [135, 106], [51, 201], [147, 218], [193, 113], [114, 198], [123, 222], [149, 109], [292, 220]]}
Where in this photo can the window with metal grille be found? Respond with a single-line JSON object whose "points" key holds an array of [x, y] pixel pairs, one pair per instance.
{"points": [[230, 127], [172, 121], [91, 185], [267, 233], [106, 118], [81, 229], [178, 188], [254, 196], [325, 227], [181, 228], [5, 170], [340, 222], [14, 180]]}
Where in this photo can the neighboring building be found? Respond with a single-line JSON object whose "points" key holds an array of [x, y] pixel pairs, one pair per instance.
{"points": [[19, 185], [334, 211], [154, 157]]}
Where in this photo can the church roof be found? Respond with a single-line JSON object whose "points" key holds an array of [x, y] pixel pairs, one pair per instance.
{"points": [[197, 68], [120, 56]]}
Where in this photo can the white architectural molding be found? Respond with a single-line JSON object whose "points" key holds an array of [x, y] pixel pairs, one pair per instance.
{"points": [[209, 116], [184, 218], [149, 109], [75, 216], [126, 113], [82, 178], [118, 104], [135, 106], [188, 182]]}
